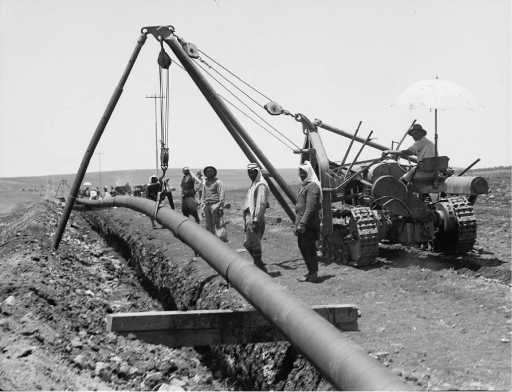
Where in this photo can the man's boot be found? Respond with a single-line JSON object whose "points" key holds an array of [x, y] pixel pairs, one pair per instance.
{"points": [[260, 264]]}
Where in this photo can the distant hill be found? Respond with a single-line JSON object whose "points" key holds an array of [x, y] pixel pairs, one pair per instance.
{"points": [[232, 178]]}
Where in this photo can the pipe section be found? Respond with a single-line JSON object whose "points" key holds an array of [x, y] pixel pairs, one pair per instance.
{"points": [[342, 362], [467, 185]]}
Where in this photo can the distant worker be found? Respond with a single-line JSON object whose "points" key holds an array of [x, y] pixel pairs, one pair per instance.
{"points": [[87, 192], [107, 193], [199, 191], [422, 148], [93, 194], [307, 221], [213, 201], [255, 207], [188, 194], [199, 187]]}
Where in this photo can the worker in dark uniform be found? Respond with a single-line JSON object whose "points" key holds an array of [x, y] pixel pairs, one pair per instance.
{"points": [[154, 186], [188, 194], [307, 221]]}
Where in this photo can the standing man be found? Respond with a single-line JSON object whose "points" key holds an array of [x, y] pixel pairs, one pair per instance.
{"points": [[199, 191], [152, 189], [213, 201], [422, 148], [188, 194], [254, 214], [307, 221]]}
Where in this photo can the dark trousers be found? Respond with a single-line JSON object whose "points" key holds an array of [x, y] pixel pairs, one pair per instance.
{"points": [[307, 247], [189, 207]]}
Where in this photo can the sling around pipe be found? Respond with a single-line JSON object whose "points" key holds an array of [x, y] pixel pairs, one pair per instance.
{"points": [[342, 362]]}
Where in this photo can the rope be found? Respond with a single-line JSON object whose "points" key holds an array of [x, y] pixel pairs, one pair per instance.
{"points": [[243, 103], [250, 118], [164, 62], [232, 74]]}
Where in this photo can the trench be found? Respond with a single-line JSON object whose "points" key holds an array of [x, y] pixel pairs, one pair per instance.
{"points": [[180, 286]]}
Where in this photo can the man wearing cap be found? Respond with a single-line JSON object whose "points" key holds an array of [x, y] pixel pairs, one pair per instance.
{"points": [[213, 199], [255, 207], [422, 148], [188, 194], [307, 221]]}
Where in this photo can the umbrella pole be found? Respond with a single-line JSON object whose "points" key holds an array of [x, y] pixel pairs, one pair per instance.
{"points": [[435, 129]]}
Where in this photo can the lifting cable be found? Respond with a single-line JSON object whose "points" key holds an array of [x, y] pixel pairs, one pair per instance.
{"points": [[241, 111], [164, 62], [244, 93], [193, 53]]}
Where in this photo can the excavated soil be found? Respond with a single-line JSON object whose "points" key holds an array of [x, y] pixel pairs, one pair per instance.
{"points": [[438, 321]]}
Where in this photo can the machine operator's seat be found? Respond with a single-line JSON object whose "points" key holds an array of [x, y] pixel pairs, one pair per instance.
{"points": [[429, 177]]}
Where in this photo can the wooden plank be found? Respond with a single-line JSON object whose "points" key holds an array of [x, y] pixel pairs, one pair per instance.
{"points": [[273, 219], [215, 327]]}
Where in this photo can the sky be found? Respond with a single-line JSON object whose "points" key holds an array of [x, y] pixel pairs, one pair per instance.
{"points": [[340, 61]]}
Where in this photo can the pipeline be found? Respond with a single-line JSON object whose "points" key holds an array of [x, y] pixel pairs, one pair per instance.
{"points": [[342, 362]]}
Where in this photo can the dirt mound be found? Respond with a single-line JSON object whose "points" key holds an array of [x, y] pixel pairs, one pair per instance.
{"points": [[53, 308]]}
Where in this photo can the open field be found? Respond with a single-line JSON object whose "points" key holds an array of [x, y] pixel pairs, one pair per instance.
{"points": [[34, 188]]}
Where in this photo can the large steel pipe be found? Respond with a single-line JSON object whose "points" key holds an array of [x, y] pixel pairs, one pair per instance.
{"points": [[342, 362]]}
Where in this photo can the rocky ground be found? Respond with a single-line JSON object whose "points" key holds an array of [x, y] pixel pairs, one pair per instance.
{"points": [[440, 322]]}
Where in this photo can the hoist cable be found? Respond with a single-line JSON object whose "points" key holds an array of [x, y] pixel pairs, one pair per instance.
{"points": [[245, 114], [257, 123], [164, 111], [240, 110], [290, 141], [238, 88]]}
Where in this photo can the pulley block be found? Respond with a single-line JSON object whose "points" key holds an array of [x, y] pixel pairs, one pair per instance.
{"points": [[273, 108], [191, 50], [164, 60]]}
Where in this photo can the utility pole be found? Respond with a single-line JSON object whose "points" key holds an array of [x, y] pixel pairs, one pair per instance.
{"points": [[155, 97], [99, 165]]}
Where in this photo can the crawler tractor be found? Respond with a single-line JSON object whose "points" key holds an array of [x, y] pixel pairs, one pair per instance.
{"points": [[368, 203]]}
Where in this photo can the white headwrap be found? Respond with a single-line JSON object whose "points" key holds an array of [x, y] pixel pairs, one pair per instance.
{"points": [[311, 176], [259, 180]]}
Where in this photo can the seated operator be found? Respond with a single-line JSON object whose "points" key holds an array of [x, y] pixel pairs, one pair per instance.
{"points": [[422, 148]]}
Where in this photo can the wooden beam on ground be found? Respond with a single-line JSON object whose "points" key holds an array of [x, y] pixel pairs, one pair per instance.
{"points": [[273, 219], [215, 327]]}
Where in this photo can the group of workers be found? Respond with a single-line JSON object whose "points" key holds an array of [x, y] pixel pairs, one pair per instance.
{"points": [[95, 194], [209, 195]]}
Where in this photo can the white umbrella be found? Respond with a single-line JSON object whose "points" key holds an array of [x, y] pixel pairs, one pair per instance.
{"points": [[87, 184], [437, 94]]}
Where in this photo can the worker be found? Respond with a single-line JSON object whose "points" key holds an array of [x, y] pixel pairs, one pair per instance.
{"points": [[307, 221], [422, 148], [199, 187], [152, 189], [93, 194], [188, 193], [107, 193], [213, 203], [255, 207]]}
